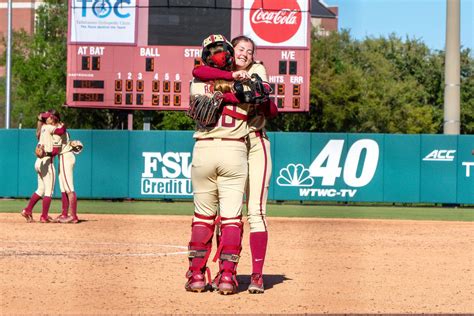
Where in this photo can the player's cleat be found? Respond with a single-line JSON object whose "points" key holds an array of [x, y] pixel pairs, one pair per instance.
{"points": [[45, 219], [196, 282], [256, 284], [59, 219], [227, 285], [69, 220], [215, 283], [27, 216]]}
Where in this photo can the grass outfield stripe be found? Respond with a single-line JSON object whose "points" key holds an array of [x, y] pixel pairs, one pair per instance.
{"points": [[280, 210]]}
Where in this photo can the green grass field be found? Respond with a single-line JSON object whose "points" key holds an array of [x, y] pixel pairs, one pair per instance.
{"points": [[281, 210]]}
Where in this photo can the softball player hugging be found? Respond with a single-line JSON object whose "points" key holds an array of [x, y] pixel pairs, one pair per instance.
{"points": [[66, 163], [259, 158], [48, 125], [218, 173]]}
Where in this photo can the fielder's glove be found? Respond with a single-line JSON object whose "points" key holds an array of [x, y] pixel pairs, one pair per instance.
{"points": [[76, 146], [39, 151]]}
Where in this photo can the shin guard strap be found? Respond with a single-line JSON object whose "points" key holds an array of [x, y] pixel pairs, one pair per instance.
{"points": [[193, 253], [229, 257]]}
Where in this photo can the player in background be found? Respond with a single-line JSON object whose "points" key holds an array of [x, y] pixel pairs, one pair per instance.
{"points": [[47, 126], [259, 158], [218, 174], [66, 162]]}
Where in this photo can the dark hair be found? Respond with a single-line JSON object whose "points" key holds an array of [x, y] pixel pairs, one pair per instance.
{"points": [[55, 113], [243, 38]]}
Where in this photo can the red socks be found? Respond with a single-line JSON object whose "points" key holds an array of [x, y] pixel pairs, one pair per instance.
{"points": [[258, 247], [46, 204], [33, 200], [74, 205], [65, 204]]}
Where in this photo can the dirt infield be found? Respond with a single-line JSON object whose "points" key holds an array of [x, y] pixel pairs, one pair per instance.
{"points": [[111, 264]]}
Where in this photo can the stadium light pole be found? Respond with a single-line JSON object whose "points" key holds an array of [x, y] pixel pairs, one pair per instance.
{"points": [[9, 63], [452, 70]]}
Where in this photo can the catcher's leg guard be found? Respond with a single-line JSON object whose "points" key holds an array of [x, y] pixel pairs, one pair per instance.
{"points": [[229, 254], [199, 250]]}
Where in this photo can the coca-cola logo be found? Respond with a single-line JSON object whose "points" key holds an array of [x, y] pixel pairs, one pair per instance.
{"points": [[277, 21]]}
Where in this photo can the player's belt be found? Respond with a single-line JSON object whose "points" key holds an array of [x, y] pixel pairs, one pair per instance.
{"points": [[242, 139]]}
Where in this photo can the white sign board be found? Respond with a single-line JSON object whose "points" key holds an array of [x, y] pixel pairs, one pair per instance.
{"points": [[103, 21]]}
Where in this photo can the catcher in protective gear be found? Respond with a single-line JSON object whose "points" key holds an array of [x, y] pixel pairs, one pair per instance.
{"points": [[259, 153], [217, 52], [219, 173]]}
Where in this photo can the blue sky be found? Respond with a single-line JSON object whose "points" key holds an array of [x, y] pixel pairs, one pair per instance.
{"points": [[418, 19]]}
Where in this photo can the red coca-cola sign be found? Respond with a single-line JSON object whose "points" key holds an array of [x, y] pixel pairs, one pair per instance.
{"points": [[277, 21]]}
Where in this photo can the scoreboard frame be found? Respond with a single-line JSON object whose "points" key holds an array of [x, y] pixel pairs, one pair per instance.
{"points": [[125, 72]]}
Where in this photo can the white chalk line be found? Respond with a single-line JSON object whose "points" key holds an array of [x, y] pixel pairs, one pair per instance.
{"points": [[11, 252], [87, 243], [90, 254]]}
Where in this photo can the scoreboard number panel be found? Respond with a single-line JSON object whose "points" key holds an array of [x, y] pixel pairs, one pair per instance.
{"points": [[139, 55]]}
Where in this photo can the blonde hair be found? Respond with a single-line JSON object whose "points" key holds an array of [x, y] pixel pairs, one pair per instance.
{"points": [[223, 86]]}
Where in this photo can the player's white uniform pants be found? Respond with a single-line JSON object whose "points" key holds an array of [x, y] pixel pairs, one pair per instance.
{"points": [[219, 174], [260, 169], [66, 172], [46, 176]]}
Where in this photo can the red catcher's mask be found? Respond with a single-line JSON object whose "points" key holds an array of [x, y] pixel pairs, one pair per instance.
{"points": [[221, 59]]}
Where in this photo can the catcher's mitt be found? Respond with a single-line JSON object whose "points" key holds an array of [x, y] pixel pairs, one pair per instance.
{"points": [[204, 109], [39, 151], [259, 90], [76, 146]]}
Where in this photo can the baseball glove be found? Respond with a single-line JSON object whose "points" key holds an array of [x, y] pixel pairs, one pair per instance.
{"points": [[205, 109], [76, 146], [39, 151], [259, 90]]}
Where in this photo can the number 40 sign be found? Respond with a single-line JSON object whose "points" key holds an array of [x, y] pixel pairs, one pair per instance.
{"points": [[327, 164]]}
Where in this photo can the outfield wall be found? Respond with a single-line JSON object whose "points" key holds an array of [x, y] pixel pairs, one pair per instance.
{"points": [[306, 166]]}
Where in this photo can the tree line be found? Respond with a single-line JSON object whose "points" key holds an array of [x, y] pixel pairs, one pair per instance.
{"points": [[375, 85]]}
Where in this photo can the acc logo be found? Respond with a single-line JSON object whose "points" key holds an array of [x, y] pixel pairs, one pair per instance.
{"points": [[440, 155], [277, 22]]}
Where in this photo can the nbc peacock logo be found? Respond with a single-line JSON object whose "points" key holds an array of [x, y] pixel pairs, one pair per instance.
{"points": [[295, 175]]}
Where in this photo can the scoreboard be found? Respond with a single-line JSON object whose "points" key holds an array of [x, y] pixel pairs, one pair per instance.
{"points": [[139, 54]]}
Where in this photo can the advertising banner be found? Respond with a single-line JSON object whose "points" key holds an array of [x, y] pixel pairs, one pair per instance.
{"points": [[438, 170], [465, 169], [276, 23], [335, 167], [160, 166], [401, 182], [103, 21], [306, 166]]}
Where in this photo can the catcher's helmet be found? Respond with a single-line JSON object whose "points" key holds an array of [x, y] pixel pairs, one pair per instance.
{"points": [[217, 51]]}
